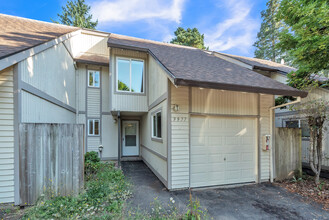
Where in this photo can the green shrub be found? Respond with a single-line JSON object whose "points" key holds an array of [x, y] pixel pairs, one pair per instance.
{"points": [[91, 157], [92, 164]]}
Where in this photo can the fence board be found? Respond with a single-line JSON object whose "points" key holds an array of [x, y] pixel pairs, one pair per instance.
{"points": [[51, 160], [288, 152]]}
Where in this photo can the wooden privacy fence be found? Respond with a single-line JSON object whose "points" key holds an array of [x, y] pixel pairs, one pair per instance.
{"points": [[288, 152], [51, 160]]}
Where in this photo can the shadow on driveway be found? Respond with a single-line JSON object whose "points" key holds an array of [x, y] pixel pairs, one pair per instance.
{"points": [[257, 201]]}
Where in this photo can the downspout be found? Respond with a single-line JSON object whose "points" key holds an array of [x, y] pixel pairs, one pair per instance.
{"points": [[272, 132], [119, 140]]}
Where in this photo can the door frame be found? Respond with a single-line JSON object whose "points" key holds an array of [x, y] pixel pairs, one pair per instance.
{"points": [[138, 134]]}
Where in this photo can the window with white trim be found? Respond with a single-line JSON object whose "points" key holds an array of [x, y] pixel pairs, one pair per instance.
{"points": [[93, 78], [130, 75], [156, 125], [93, 127]]}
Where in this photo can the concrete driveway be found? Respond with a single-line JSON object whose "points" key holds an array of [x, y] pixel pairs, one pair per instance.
{"points": [[257, 201]]}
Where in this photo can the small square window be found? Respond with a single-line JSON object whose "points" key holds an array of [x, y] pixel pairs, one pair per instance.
{"points": [[93, 78], [93, 127], [156, 125]]}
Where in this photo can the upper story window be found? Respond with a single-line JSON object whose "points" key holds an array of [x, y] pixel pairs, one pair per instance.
{"points": [[130, 75], [93, 78]]}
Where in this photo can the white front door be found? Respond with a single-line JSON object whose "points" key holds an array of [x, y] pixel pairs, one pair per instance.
{"points": [[130, 138]]}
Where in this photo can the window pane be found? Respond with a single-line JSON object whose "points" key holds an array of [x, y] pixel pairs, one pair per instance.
{"points": [[91, 127], [154, 126], [96, 125], [96, 79], [159, 124], [91, 78], [137, 69], [292, 124], [131, 140], [305, 129], [123, 75]]}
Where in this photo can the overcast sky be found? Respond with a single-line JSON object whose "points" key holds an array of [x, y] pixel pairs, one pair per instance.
{"points": [[230, 26]]}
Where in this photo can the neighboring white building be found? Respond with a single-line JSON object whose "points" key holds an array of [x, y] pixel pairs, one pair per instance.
{"points": [[194, 118]]}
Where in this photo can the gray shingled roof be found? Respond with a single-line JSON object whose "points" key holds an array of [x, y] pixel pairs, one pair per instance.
{"points": [[260, 63], [189, 66], [18, 34]]}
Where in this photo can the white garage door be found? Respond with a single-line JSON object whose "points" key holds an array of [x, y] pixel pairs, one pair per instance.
{"points": [[223, 150]]}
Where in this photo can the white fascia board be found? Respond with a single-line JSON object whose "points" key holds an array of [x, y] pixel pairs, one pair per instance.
{"points": [[15, 58]]}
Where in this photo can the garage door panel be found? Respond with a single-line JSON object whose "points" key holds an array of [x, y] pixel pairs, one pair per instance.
{"points": [[227, 152]]}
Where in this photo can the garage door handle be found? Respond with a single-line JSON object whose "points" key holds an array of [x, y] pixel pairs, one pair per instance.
{"points": [[224, 158]]}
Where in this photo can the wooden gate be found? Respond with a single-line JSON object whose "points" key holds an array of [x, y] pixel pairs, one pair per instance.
{"points": [[51, 160], [288, 152]]}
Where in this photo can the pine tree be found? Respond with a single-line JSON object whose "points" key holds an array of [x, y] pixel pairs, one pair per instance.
{"points": [[76, 13], [189, 37], [267, 37]]}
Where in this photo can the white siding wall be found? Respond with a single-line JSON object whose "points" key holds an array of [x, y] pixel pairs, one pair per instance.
{"points": [[157, 87], [36, 110], [266, 101], [6, 136], [180, 138], [157, 163], [88, 43], [52, 72], [123, 101]]}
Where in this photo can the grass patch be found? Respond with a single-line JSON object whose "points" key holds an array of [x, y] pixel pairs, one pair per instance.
{"points": [[105, 193]]}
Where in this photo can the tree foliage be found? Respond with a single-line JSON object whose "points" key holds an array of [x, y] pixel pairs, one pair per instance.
{"points": [[307, 40], [189, 37], [76, 13], [268, 35]]}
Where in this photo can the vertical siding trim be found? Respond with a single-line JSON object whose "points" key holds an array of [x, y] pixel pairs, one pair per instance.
{"points": [[189, 133], [259, 158], [110, 80], [169, 138], [86, 102], [101, 104], [273, 138], [17, 120]]}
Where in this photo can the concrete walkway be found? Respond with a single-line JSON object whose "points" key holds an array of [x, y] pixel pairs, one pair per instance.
{"points": [[258, 201]]}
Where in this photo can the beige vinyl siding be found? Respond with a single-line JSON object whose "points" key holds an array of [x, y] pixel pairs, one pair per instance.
{"points": [[36, 110], [109, 137], [94, 102], [88, 43], [279, 77], [157, 163], [51, 71], [157, 80], [81, 87], [180, 137], [6, 136], [105, 90], [127, 101], [266, 101], [223, 102], [157, 87]]}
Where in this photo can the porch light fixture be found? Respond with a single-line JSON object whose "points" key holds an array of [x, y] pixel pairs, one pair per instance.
{"points": [[100, 149]]}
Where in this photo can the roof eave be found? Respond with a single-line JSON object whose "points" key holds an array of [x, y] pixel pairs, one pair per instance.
{"points": [[239, 88]]}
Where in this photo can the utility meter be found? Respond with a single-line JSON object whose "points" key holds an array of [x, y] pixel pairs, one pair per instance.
{"points": [[266, 142]]}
